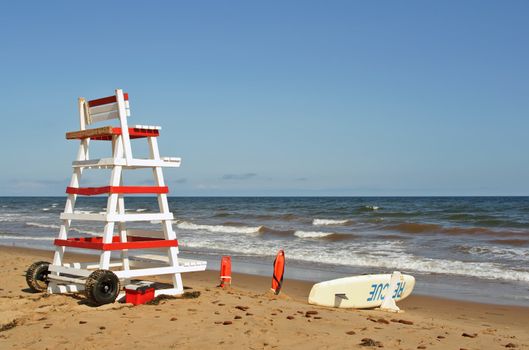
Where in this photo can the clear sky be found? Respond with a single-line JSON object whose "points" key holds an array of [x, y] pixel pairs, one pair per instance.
{"points": [[277, 98]]}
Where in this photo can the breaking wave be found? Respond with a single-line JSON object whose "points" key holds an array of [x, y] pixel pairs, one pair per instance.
{"points": [[284, 217], [184, 225], [86, 232], [56, 227], [331, 236], [369, 208], [9, 217], [229, 227], [312, 234], [497, 252], [404, 262], [37, 224], [27, 238], [410, 227], [330, 222]]}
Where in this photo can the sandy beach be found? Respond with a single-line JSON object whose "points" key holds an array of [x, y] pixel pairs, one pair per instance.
{"points": [[244, 317]]}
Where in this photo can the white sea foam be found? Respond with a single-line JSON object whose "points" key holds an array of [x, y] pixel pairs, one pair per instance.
{"points": [[8, 217], [326, 222], [27, 238], [184, 225], [311, 234], [372, 207], [56, 227], [45, 209], [86, 232], [501, 252], [38, 224], [384, 255]]}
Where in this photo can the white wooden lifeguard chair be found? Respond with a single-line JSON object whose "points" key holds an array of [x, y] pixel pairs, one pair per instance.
{"points": [[102, 281]]}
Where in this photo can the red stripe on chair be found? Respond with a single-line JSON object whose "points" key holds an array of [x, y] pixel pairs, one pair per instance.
{"points": [[94, 191], [137, 132], [133, 243], [106, 100]]}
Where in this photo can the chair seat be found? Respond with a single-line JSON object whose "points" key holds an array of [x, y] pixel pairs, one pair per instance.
{"points": [[107, 132]]}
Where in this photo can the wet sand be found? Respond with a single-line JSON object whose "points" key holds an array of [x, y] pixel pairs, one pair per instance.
{"points": [[244, 317]]}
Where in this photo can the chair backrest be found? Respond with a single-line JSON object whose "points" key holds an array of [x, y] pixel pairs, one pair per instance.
{"points": [[105, 108], [108, 108]]}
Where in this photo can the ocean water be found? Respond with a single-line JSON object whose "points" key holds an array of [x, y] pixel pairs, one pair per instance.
{"points": [[471, 248]]}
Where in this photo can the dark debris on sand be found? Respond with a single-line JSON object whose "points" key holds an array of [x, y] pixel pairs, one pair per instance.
{"points": [[401, 321], [190, 295], [371, 342], [469, 335], [8, 326], [160, 298]]}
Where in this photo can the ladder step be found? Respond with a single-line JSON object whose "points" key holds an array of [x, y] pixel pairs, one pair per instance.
{"points": [[163, 258], [134, 243], [117, 217], [165, 270], [94, 191], [169, 162]]}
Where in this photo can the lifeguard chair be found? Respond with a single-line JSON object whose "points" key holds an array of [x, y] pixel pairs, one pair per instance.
{"points": [[102, 280]]}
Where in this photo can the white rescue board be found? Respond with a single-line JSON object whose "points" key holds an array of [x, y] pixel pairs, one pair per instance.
{"points": [[366, 291]]}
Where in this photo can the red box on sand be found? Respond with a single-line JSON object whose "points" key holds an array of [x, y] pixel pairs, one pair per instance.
{"points": [[138, 295]]}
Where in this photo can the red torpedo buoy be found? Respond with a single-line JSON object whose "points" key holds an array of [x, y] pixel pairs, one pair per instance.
{"points": [[279, 270], [225, 271]]}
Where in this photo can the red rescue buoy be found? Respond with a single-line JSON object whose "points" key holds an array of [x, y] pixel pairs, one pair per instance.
{"points": [[225, 271], [279, 270]]}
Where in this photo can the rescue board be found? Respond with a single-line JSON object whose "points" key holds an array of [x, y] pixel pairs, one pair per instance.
{"points": [[366, 291]]}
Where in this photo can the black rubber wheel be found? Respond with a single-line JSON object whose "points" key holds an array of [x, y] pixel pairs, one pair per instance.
{"points": [[37, 276], [102, 287]]}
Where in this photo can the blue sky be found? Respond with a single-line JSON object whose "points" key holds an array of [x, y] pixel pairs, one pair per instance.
{"points": [[277, 98]]}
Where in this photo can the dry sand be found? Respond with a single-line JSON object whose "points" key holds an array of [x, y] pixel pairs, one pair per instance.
{"points": [[245, 317]]}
